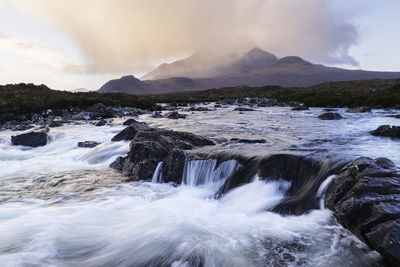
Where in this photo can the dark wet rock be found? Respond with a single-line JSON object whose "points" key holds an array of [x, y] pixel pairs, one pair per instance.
{"points": [[365, 198], [217, 106], [329, 109], [199, 109], [101, 111], [55, 123], [243, 109], [130, 132], [397, 116], [88, 144], [248, 141], [101, 122], [359, 110], [156, 114], [32, 139], [330, 116], [387, 131], [175, 115], [37, 119], [300, 107], [227, 101], [81, 116], [130, 121], [150, 146]]}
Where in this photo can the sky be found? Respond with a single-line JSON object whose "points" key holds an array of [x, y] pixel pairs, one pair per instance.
{"points": [[70, 44]]}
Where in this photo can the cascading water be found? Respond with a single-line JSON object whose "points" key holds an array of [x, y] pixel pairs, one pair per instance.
{"points": [[67, 223], [157, 176], [208, 172]]}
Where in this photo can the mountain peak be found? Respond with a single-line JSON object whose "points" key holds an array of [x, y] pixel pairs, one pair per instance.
{"points": [[256, 51], [292, 60]]}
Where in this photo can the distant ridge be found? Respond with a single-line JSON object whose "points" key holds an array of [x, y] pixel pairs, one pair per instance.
{"points": [[254, 68]]}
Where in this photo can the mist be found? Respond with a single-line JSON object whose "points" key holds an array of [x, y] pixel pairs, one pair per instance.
{"points": [[129, 36]]}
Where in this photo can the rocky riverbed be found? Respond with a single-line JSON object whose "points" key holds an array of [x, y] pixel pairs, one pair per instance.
{"points": [[219, 184]]}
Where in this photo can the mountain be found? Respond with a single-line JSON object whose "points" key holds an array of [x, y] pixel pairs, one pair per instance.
{"points": [[254, 68]]}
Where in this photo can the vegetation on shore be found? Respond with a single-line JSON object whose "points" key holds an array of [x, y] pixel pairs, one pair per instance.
{"points": [[378, 93], [26, 98]]}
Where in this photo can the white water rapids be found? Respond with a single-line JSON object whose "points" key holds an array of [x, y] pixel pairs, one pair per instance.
{"points": [[46, 221]]}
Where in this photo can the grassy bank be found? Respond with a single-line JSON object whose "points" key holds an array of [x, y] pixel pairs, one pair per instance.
{"points": [[377, 93], [26, 98]]}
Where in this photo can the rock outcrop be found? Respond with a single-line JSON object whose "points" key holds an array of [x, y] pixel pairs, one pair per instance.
{"points": [[365, 198], [88, 144], [130, 132], [150, 146], [387, 131], [330, 116], [32, 139], [175, 115]]}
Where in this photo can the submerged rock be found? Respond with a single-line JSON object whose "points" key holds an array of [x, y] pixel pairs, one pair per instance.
{"points": [[387, 131], [32, 139], [88, 144], [248, 141], [175, 115], [243, 109], [330, 116], [365, 198], [359, 110]]}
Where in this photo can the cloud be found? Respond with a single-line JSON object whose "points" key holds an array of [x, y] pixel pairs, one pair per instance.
{"points": [[127, 35], [38, 55]]}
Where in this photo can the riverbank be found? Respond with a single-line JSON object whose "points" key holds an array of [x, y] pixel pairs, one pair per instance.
{"points": [[23, 99]]}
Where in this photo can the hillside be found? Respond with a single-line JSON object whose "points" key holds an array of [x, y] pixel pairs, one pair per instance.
{"points": [[16, 99], [254, 68]]}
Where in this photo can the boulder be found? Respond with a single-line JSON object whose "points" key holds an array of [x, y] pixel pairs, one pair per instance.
{"points": [[32, 139], [330, 116], [359, 110], [156, 114], [130, 132], [243, 109], [329, 109], [150, 146], [397, 116], [387, 131], [365, 198], [248, 141], [199, 109], [175, 115], [100, 110], [130, 121], [88, 144], [55, 123], [101, 122]]}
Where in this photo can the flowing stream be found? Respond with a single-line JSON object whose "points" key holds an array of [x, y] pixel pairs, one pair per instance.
{"points": [[61, 205]]}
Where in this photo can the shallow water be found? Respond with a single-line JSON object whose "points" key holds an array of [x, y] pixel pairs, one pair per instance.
{"points": [[61, 205]]}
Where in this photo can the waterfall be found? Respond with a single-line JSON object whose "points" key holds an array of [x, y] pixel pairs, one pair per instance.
{"points": [[157, 176], [206, 172], [321, 190]]}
